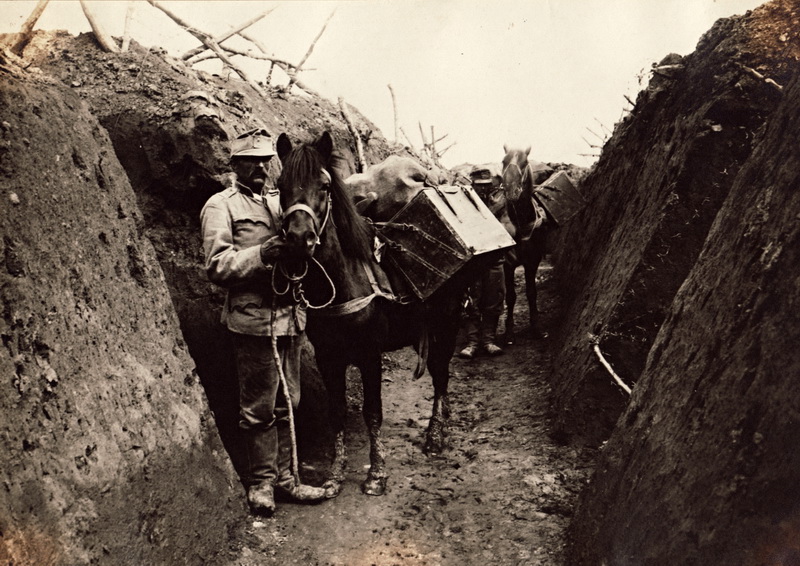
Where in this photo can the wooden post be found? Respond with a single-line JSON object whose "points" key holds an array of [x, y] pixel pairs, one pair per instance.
{"points": [[126, 35], [105, 40], [26, 30], [361, 162], [394, 109]]}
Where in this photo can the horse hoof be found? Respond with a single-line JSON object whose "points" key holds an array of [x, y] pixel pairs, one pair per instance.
{"points": [[374, 486], [433, 447], [332, 488]]}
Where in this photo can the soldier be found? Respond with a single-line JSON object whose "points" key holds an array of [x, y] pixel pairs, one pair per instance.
{"points": [[241, 244], [487, 294]]}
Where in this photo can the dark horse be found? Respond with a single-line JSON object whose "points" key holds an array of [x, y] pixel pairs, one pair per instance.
{"points": [[358, 321], [529, 228]]}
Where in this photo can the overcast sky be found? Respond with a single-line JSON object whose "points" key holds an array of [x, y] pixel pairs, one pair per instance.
{"points": [[525, 72]]}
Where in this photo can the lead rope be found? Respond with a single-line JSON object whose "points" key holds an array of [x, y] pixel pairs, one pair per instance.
{"points": [[285, 387]]}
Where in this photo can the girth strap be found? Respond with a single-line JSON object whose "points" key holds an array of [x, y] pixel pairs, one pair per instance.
{"points": [[359, 303]]}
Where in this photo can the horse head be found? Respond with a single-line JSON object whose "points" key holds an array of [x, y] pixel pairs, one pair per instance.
{"points": [[516, 171], [313, 198]]}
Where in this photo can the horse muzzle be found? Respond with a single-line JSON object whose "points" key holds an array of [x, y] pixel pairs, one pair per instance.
{"points": [[301, 230]]}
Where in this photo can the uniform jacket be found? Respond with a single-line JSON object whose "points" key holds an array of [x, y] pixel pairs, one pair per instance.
{"points": [[234, 224]]}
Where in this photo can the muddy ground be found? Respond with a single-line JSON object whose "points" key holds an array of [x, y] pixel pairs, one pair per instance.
{"points": [[502, 494]]}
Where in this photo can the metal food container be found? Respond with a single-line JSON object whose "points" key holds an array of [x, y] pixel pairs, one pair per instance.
{"points": [[438, 233], [560, 197]]}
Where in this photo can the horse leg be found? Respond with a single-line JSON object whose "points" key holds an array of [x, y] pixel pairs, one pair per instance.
{"points": [[333, 374], [441, 351], [511, 301], [530, 291], [375, 484]]}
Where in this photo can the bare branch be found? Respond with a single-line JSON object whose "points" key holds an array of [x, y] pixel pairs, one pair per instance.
{"points": [[602, 126], [422, 133], [632, 103], [18, 43], [394, 108], [211, 44], [441, 153], [245, 53], [410, 143], [361, 162], [761, 77], [284, 65], [292, 76], [598, 136], [593, 146], [105, 40], [228, 34], [126, 34]]}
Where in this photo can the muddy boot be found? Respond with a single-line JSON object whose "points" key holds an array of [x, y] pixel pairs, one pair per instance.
{"points": [[286, 487], [469, 351], [262, 449], [489, 336]]}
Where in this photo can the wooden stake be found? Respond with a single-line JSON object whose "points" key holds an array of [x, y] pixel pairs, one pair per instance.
{"points": [[408, 139], [361, 162], [105, 40], [293, 75], [394, 109], [18, 43], [126, 35], [228, 34]]}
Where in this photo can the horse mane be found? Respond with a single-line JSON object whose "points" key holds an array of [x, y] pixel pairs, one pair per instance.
{"points": [[355, 234]]}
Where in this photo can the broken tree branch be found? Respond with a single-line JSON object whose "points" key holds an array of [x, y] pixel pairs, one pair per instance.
{"points": [[283, 65], [293, 75], [408, 139], [209, 42], [441, 153], [24, 36], [105, 40], [126, 34], [245, 53], [759, 76], [593, 146], [394, 109], [228, 34], [422, 133], [610, 370], [361, 163]]}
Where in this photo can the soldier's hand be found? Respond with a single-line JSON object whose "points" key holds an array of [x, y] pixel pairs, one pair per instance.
{"points": [[273, 250]]}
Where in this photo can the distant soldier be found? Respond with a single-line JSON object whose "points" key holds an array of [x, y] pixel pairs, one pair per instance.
{"points": [[241, 244], [487, 294]]}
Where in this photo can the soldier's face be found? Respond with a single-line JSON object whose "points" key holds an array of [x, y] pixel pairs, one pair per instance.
{"points": [[251, 171]]}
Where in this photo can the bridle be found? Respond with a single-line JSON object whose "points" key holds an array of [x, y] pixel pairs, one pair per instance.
{"points": [[301, 207], [523, 174]]}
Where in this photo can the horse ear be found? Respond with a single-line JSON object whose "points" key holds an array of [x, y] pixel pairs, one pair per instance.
{"points": [[527, 150], [284, 146], [324, 146], [505, 148]]}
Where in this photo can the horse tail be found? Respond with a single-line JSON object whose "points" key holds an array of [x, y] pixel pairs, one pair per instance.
{"points": [[422, 352]]}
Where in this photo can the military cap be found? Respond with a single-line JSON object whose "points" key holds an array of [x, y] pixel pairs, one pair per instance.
{"points": [[255, 143], [481, 175]]}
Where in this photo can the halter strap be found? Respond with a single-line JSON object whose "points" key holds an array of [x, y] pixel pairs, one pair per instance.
{"points": [[299, 206]]}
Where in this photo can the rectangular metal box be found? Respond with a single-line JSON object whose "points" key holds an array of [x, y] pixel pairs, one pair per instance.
{"points": [[560, 197], [438, 233]]}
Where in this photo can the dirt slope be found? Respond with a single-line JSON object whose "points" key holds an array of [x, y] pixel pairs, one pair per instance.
{"points": [[653, 197], [100, 407]]}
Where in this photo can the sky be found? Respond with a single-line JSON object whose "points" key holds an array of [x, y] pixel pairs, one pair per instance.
{"points": [[550, 74]]}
